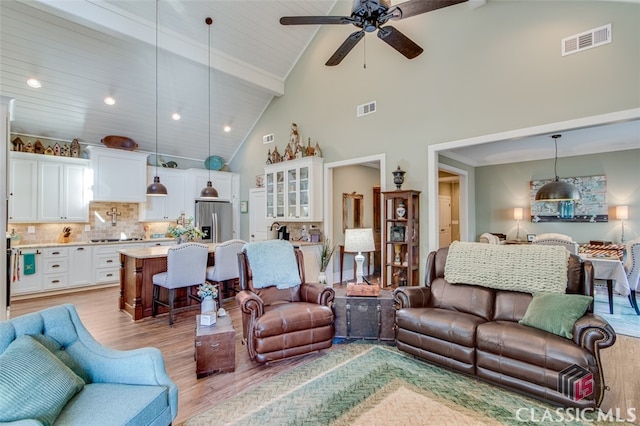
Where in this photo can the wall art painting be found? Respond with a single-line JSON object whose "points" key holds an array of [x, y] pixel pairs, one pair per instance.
{"points": [[591, 207]]}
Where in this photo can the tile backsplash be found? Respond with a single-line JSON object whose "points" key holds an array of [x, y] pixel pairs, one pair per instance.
{"points": [[127, 225]]}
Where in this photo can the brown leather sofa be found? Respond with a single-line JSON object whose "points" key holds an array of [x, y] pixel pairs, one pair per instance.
{"points": [[283, 323], [475, 330]]}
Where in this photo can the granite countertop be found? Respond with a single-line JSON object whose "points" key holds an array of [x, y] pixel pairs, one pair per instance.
{"points": [[156, 251], [90, 243]]}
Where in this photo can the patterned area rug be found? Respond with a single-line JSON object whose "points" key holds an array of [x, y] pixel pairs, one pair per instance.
{"points": [[624, 319], [367, 384]]}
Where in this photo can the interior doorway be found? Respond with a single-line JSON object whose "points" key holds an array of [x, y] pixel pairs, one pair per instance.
{"points": [[332, 213], [448, 207]]}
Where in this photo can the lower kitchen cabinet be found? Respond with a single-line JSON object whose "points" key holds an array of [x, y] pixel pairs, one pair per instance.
{"points": [[81, 265], [55, 268], [29, 283]]}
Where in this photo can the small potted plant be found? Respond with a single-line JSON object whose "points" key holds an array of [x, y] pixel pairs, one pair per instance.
{"points": [[326, 251]]}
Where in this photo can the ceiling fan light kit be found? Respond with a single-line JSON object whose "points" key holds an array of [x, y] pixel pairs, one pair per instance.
{"points": [[371, 15], [209, 191], [557, 190], [156, 189]]}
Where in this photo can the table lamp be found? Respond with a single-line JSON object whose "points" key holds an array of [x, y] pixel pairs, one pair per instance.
{"points": [[622, 213], [517, 215], [359, 240]]}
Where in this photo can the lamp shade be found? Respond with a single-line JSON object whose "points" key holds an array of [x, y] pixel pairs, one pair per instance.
{"points": [[557, 191], [622, 212], [359, 240], [517, 213], [156, 189]]}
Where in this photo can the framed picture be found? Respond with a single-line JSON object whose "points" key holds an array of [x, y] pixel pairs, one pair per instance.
{"points": [[396, 234], [244, 207], [259, 181], [530, 237]]}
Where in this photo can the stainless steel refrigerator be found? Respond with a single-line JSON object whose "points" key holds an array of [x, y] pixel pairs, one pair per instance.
{"points": [[215, 219]]}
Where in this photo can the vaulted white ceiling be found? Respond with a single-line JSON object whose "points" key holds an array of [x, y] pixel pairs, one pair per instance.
{"points": [[85, 50]]}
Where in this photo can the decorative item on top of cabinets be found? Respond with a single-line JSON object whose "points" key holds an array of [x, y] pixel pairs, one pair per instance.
{"points": [[400, 238], [18, 145], [317, 152], [398, 177], [75, 148], [310, 151], [294, 190], [119, 142]]}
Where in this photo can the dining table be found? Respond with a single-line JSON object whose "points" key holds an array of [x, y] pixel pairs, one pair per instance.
{"points": [[611, 269], [137, 268]]}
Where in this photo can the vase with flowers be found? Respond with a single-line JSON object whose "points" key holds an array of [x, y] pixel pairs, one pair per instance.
{"points": [[184, 231], [207, 292], [326, 251]]}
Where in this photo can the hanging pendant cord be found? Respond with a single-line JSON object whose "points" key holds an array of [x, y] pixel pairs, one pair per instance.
{"points": [[157, 20], [209, 21]]}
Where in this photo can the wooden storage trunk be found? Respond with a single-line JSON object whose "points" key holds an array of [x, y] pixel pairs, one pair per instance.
{"points": [[215, 347], [364, 317]]}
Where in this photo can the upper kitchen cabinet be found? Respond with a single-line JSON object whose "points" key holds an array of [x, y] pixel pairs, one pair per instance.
{"points": [[176, 201], [118, 175], [227, 184], [48, 188], [294, 190]]}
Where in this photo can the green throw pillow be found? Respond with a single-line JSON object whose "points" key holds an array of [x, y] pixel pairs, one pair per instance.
{"points": [[556, 313], [34, 384]]}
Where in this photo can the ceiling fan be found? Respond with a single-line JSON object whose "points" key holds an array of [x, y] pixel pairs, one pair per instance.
{"points": [[371, 15]]}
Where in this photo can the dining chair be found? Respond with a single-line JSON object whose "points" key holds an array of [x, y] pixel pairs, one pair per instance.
{"points": [[186, 267], [632, 268], [225, 267], [488, 238], [554, 239]]}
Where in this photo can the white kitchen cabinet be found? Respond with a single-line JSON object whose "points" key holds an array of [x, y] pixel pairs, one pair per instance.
{"points": [[106, 261], [169, 207], [23, 188], [118, 175], [80, 266], [55, 267], [24, 284], [63, 192], [226, 183], [294, 190]]}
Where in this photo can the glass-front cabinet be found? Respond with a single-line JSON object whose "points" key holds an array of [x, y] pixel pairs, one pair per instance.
{"points": [[294, 190]]}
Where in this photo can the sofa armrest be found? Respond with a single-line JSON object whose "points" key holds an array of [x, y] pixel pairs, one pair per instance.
{"points": [[593, 333], [250, 303], [412, 297], [314, 293]]}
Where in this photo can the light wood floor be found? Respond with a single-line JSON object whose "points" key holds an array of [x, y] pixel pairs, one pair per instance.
{"points": [[98, 310]]}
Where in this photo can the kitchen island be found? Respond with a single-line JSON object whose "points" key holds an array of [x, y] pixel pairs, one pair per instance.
{"points": [[137, 268]]}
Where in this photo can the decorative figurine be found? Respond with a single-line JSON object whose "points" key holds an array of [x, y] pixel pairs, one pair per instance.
{"points": [[398, 177], [401, 210], [65, 150], [38, 148], [309, 151], [18, 145], [268, 157], [28, 147], [317, 152], [294, 138], [75, 148], [56, 149]]}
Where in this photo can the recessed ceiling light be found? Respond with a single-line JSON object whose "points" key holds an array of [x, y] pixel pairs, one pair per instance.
{"points": [[227, 129], [176, 116], [109, 100], [35, 83]]}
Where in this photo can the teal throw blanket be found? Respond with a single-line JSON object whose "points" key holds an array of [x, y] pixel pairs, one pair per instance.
{"points": [[273, 263]]}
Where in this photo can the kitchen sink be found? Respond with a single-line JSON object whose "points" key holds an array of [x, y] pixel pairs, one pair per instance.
{"points": [[114, 240]]}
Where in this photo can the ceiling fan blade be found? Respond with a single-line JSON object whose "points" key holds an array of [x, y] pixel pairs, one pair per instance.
{"points": [[315, 20], [416, 7], [345, 48], [399, 41]]}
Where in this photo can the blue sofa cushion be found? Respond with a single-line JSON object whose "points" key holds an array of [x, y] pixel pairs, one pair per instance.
{"points": [[118, 404], [34, 383]]}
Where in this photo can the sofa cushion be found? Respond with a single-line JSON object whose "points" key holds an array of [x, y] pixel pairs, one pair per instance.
{"points": [[118, 404], [291, 317], [23, 392], [443, 324], [532, 346], [556, 313], [470, 299]]}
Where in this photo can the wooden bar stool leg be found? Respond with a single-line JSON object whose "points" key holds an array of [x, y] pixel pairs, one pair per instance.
{"points": [[171, 297]]}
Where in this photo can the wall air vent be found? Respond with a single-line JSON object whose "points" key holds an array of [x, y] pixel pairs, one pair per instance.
{"points": [[366, 109], [267, 139], [586, 40]]}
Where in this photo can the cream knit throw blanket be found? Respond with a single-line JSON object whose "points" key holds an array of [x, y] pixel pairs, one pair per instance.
{"points": [[527, 268]]}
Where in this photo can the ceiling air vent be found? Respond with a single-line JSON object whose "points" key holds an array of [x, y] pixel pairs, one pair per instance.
{"points": [[267, 139], [586, 40], [365, 109]]}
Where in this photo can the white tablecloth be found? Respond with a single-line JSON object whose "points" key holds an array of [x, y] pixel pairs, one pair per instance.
{"points": [[610, 269]]}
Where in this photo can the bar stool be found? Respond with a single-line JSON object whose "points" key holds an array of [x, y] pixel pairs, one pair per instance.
{"points": [[186, 267], [225, 266]]}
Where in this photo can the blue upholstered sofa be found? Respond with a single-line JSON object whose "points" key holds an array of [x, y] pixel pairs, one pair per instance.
{"points": [[52, 371]]}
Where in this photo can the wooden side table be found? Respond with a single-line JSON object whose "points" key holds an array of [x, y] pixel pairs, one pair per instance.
{"points": [[362, 317], [215, 347]]}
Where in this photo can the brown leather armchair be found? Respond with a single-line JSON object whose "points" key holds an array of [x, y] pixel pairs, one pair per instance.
{"points": [[283, 323]]}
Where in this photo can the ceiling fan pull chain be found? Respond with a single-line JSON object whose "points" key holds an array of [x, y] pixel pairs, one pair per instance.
{"points": [[364, 52]]}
